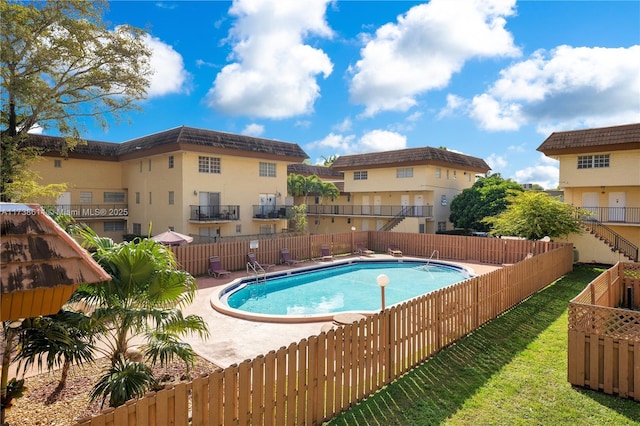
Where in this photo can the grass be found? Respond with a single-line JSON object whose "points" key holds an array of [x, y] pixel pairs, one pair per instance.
{"points": [[513, 371]]}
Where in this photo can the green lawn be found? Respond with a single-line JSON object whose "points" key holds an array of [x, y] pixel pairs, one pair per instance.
{"points": [[513, 371]]}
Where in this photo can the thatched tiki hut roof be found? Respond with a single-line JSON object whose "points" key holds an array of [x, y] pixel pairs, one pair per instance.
{"points": [[40, 264]]}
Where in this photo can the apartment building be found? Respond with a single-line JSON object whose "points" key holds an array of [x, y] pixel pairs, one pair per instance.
{"points": [[407, 190], [600, 172], [199, 182]]}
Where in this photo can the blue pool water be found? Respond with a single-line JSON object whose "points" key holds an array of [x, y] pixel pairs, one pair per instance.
{"points": [[348, 287]]}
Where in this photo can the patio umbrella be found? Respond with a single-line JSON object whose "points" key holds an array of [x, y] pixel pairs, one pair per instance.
{"points": [[172, 238]]}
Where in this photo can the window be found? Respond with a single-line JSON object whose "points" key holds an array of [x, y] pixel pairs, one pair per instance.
{"points": [[57, 163], [593, 161], [150, 198], [171, 197], [137, 229], [447, 174], [113, 226], [442, 226], [360, 175], [455, 174], [443, 200], [316, 199], [149, 164], [114, 197], [140, 166], [86, 197], [468, 177], [171, 161], [238, 229], [137, 198], [267, 229], [404, 172], [438, 173], [209, 165], [268, 169]]}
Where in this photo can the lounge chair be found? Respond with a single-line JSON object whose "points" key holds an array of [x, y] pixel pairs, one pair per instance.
{"points": [[215, 268], [252, 263], [394, 250], [326, 252], [286, 257], [363, 251]]}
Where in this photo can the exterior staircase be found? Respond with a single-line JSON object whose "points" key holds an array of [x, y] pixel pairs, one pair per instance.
{"points": [[394, 221], [612, 239]]}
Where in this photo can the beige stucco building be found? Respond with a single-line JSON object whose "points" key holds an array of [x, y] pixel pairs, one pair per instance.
{"points": [[407, 190], [600, 171], [199, 182]]}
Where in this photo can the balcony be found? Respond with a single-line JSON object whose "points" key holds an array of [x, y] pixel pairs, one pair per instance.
{"points": [[267, 212], [376, 211], [214, 214], [93, 211], [615, 215]]}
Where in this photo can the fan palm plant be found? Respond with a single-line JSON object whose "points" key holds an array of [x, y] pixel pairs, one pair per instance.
{"points": [[143, 300]]}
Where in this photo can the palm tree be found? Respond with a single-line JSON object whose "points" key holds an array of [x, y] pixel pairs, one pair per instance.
{"points": [[327, 190], [299, 185], [143, 299], [62, 339]]}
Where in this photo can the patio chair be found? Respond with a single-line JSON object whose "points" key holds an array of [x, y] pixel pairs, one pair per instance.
{"points": [[286, 257], [215, 268], [394, 250], [363, 251], [252, 263], [326, 252]]}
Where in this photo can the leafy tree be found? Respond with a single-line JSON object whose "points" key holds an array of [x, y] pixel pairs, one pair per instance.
{"points": [[59, 64], [327, 190], [534, 215], [489, 196], [143, 299], [299, 217]]}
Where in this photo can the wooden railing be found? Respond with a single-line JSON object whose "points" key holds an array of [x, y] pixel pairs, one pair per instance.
{"points": [[604, 336], [315, 379]]}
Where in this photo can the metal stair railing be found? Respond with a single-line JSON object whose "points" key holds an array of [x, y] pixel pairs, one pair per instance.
{"points": [[615, 240], [258, 271], [395, 220]]}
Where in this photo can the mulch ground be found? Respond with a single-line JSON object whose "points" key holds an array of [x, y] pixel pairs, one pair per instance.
{"points": [[41, 405]]}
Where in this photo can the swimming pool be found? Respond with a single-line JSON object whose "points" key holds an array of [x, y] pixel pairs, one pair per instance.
{"points": [[318, 293]]}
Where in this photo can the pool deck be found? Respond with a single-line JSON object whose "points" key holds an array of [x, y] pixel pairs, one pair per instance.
{"points": [[234, 340]]}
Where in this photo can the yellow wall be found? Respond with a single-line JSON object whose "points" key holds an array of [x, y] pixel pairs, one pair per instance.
{"points": [[623, 170]]}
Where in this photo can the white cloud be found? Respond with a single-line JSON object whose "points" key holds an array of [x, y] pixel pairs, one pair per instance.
{"points": [[344, 126], [496, 162], [425, 48], [545, 173], [565, 88], [169, 74], [253, 129], [36, 129], [274, 73], [373, 141], [454, 103]]}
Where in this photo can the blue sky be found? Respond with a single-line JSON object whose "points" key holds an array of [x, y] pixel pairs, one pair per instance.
{"points": [[488, 78]]}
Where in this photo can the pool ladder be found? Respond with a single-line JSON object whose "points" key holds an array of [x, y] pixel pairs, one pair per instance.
{"points": [[437, 253], [258, 272]]}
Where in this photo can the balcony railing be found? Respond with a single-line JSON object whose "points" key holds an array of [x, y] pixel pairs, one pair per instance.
{"points": [[383, 211], [271, 212], [218, 213], [92, 211], [615, 214]]}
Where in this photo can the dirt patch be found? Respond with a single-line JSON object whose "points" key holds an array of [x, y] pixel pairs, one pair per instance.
{"points": [[41, 405]]}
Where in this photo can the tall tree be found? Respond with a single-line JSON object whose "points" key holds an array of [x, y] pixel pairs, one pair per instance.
{"points": [[59, 64], [302, 186], [487, 197], [534, 215]]}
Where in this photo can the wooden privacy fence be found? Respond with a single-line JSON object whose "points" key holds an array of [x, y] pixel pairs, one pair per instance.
{"points": [[604, 338], [194, 258], [315, 379]]}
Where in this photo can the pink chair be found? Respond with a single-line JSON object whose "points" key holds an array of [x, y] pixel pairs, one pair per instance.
{"points": [[215, 268]]}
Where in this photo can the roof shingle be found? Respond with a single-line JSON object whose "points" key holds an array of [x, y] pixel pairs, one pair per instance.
{"points": [[422, 155], [615, 137]]}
